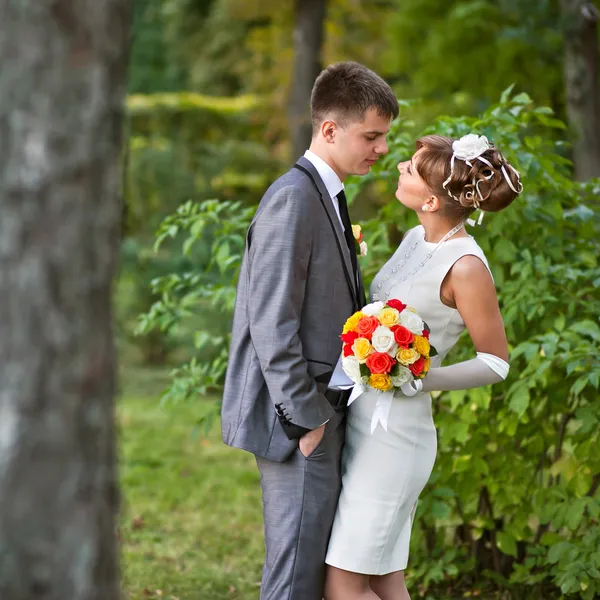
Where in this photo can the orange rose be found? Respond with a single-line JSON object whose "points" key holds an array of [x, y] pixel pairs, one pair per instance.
{"points": [[350, 324], [404, 338], [366, 326], [380, 363]]}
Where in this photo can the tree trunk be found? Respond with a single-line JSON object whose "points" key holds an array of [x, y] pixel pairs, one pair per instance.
{"points": [[580, 21], [308, 40], [62, 86]]}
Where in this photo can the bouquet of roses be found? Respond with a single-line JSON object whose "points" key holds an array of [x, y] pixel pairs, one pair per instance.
{"points": [[385, 346]]}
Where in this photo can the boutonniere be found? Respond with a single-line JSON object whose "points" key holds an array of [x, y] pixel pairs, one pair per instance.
{"points": [[361, 246]]}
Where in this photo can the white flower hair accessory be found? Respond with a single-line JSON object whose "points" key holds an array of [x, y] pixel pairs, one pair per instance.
{"points": [[470, 147]]}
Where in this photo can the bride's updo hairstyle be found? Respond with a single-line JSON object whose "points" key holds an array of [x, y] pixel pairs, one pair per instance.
{"points": [[487, 181]]}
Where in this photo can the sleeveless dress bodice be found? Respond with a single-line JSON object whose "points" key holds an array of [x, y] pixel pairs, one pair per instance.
{"points": [[421, 291]]}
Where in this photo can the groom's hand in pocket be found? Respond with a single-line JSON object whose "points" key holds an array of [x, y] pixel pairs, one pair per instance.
{"points": [[309, 441]]}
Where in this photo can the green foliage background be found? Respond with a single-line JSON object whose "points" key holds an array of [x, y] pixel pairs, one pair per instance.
{"points": [[513, 505]]}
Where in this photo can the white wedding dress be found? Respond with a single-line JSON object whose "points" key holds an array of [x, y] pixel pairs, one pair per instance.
{"points": [[383, 473]]}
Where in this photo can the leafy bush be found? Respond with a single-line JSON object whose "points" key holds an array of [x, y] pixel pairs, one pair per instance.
{"points": [[212, 235], [513, 502]]}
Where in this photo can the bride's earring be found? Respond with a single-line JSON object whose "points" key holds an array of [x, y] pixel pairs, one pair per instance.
{"points": [[424, 208]]}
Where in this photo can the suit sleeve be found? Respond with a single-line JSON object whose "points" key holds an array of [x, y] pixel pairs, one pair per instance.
{"points": [[279, 251]]}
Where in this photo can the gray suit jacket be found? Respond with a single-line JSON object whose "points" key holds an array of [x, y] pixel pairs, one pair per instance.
{"points": [[295, 291]]}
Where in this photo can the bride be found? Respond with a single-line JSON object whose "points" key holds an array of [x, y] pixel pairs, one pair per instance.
{"points": [[442, 273]]}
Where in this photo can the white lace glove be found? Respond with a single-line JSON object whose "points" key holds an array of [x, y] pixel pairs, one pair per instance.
{"points": [[483, 370]]}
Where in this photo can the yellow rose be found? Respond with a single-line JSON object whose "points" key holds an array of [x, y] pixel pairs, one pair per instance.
{"points": [[422, 345], [425, 368], [381, 382], [362, 348], [407, 356], [351, 323], [356, 231], [389, 317]]}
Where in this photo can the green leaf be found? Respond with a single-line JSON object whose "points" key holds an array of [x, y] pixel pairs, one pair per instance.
{"points": [[566, 466], [519, 398], [506, 543], [579, 385], [439, 510], [462, 463], [506, 93], [505, 250], [558, 551], [444, 492], [575, 514], [550, 538], [587, 327], [522, 98]]}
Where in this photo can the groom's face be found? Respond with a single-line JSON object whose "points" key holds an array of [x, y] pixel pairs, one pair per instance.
{"points": [[360, 144]]}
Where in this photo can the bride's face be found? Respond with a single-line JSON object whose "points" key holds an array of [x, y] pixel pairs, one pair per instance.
{"points": [[412, 190]]}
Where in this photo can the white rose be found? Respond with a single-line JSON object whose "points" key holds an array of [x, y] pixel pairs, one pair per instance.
{"points": [[363, 248], [404, 376], [412, 321], [383, 340], [373, 309], [470, 146], [351, 367]]}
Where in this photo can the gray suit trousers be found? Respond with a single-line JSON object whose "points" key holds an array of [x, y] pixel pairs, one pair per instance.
{"points": [[300, 496]]}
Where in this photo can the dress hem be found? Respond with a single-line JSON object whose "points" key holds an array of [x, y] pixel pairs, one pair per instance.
{"points": [[362, 569]]}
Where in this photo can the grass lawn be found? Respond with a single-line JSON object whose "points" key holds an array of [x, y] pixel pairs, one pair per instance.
{"points": [[191, 526]]}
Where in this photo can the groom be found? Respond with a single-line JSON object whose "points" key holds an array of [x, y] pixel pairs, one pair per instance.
{"points": [[298, 284]]}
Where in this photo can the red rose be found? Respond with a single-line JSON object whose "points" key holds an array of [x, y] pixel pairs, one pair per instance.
{"points": [[417, 367], [404, 338], [380, 362], [425, 334], [350, 337], [396, 304], [366, 326], [348, 350]]}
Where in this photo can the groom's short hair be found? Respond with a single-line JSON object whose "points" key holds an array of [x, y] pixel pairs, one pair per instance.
{"points": [[347, 90]]}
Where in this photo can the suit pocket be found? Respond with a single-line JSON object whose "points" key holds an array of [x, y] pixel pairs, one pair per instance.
{"points": [[319, 445]]}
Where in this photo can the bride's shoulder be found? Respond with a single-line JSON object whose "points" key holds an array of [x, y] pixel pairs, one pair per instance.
{"points": [[412, 235]]}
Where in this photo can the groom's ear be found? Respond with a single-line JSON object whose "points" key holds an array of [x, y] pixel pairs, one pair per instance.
{"points": [[328, 130]]}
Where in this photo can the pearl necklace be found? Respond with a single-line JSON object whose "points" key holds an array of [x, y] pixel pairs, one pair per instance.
{"points": [[376, 295]]}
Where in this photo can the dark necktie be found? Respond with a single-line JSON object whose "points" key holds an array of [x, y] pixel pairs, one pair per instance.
{"points": [[345, 216]]}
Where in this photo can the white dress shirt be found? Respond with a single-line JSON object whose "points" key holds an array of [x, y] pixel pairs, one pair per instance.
{"points": [[339, 379], [330, 179]]}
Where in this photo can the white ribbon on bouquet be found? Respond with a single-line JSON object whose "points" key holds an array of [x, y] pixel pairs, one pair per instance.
{"points": [[382, 406]]}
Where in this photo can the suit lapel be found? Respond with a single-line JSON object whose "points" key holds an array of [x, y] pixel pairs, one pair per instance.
{"points": [[307, 167]]}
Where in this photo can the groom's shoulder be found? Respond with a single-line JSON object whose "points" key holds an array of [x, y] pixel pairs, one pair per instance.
{"points": [[294, 179], [291, 186]]}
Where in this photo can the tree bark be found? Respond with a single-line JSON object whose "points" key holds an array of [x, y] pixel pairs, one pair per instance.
{"points": [[62, 86], [580, 21], [308, 41]]}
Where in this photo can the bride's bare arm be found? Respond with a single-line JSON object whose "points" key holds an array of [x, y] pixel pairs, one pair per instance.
{"points": [[472, 291]]}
